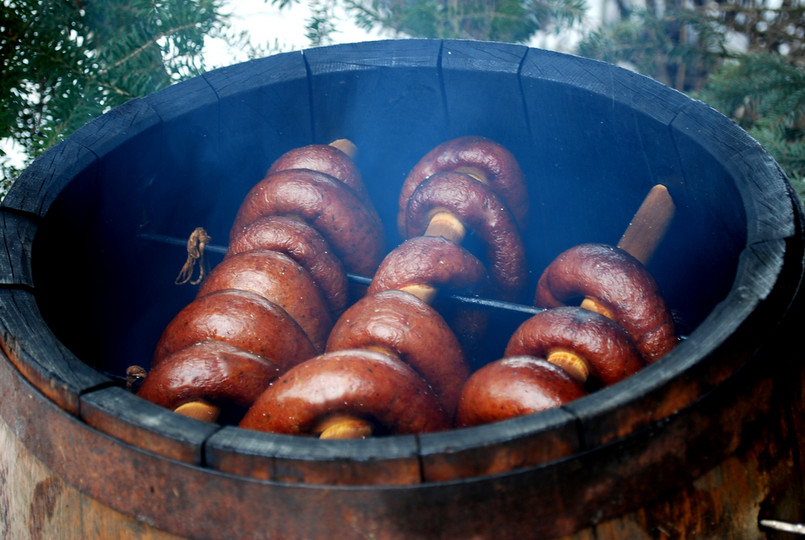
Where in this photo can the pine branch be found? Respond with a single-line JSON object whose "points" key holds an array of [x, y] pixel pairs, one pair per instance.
{"points": [[142, 48], [765, 93], [64, 64]]}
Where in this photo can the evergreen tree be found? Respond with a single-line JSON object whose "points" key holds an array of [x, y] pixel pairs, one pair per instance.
{"points": [[679, 48], [513, 21], [65, 62], [758, 80], [765, 94]]}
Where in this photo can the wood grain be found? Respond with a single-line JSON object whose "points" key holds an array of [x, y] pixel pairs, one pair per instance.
{"points": [[16, 236], [725, 498], [699, 444], [292, 459], [38, 504], [142, 424], [30, 345]]}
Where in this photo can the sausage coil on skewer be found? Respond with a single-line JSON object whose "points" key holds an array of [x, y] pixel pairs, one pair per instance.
{"points": [[395, 317], [406, 330], [303, 244], [621, 289], [278, 279], [551, 359], [207, 377], [241, 318], [358, 383], [351, 228], [423, 264], [239, 306], [581, 344], [405, 326], [467, 186], [483, 159], [477, 208], [584, 343], [334, 159], [515, 386], [279, 285]]}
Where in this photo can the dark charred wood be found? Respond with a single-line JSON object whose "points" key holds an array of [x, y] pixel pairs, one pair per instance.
{"points": [[693, 444]]}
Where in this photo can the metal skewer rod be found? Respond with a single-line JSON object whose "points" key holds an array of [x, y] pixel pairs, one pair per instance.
{"points": [[641, 239], [364, 280]]}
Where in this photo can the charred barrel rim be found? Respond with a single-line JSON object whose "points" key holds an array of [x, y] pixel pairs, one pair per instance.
{"points": [[700, 345]]}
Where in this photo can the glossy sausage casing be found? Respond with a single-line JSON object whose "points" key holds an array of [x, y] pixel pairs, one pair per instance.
{"points": [[481, 211], [352, 228], [405, 325], [499, 167], [608, 350], [213, 371], [279, 279], [326, 159], [241, 318], [621, 284], [303, 244], [512, 387], [432, 261], [358, 382]]}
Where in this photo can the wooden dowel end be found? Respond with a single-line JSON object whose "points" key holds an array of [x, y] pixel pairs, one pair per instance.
{"points": [[571, 363], [346, 146], [446, 225], [200, 410], [343, 426], [649, 224]]}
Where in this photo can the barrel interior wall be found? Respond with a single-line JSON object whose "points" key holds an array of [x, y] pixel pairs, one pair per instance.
{"points": [[590, 153], [600, 145], [592, 140], [108, 296], [263, 110], [107, 286]]}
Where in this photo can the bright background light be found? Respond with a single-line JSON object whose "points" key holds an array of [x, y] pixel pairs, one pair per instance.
{"points": [[276, 30], [267, 28]]}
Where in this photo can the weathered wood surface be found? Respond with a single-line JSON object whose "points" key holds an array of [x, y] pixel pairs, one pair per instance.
{"points": [[134, 421], [28, 342], [17, 237], [69, 468], [655, 455], [37, 504], [296, 460]]}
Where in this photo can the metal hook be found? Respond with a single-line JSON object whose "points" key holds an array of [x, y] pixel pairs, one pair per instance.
{"points": [[796, 528]]}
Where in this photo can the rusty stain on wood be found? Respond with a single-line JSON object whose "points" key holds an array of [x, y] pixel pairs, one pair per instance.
{"points": [[36, 503], [45, 497], [700, 448]]}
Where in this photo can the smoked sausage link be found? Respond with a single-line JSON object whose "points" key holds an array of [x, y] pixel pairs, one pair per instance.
{"points": [[241, 318], [621, 285], [408, 327], [358, 382], [279, 279], [514, 386]]}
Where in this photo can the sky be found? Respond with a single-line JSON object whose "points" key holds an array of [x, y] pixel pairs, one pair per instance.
{"points": [[268, 26], [278, 30]]}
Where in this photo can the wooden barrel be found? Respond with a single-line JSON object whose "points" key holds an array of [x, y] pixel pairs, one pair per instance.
{"points": [[704, 443]]}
